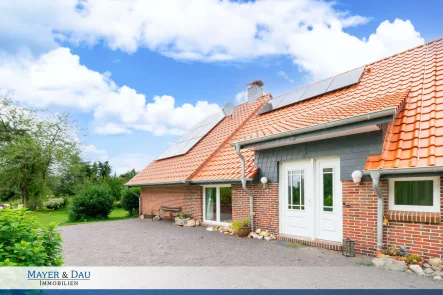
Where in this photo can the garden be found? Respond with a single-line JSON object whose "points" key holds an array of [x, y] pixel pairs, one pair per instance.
{"points": [[46, 182]]}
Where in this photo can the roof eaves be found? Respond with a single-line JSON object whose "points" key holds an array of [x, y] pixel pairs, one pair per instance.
{"points": [[354, 119], [157, 183]]}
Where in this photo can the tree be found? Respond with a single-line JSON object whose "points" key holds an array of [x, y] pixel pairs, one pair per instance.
{"points": [[104, 169], [128, 175], [33, 147]]}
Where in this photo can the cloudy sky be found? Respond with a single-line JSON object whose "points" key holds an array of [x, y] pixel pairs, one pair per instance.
{"points": [[136, 74]]}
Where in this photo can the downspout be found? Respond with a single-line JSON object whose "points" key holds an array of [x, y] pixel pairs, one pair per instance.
{"points": [[375, 175], [139, 201], [243, 183]]}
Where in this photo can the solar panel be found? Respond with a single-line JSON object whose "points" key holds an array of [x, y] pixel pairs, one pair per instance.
{"points": [[313, 90], [193, 136], [346, 79]]}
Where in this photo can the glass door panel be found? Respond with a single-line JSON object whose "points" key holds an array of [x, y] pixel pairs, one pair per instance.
{"points": [[211, 203]]}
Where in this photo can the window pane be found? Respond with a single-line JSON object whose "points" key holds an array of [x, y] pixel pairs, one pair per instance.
{"points": [[226, 204], [296, 196], [211, 203], [328, 190], [414, 193]]}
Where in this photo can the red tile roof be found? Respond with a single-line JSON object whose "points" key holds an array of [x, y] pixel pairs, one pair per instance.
{"points": [[182, 168], [412, 79], [415, 137]]}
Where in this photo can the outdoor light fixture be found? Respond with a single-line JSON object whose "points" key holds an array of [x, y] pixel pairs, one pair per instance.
{"points": [[356, 176], [264, 180], [348, 247]]}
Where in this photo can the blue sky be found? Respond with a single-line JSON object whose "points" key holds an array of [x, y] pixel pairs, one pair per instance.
{"points": [[105, 62]]}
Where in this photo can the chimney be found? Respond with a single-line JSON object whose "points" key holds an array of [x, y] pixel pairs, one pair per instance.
{"points": [[255, 90]]}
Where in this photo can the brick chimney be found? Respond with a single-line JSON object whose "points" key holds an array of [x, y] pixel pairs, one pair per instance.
{"points": [[255, 90]]}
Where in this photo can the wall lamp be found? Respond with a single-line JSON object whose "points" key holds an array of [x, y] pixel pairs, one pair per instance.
{"points": [[356, 176], [264, 180]]}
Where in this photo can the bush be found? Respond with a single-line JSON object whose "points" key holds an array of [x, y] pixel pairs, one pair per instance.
{"points": [[182, 215], [23, 242], [130, 201], [54, 203], [117, 204], [92, 203]]}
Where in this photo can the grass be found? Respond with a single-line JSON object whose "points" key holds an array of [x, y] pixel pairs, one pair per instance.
{"points": [[60, 217]]}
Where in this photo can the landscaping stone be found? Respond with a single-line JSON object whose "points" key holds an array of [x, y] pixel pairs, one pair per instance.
{"points": [[268, 238], [428, 270], [389, 264], [417, 269], [436, 268], [191, 223], [257, 231], [210, 229], [426, 265], [437, 277], [435, 261]]}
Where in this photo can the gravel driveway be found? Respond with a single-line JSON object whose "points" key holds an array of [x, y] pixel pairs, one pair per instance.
{"points": [[136, 242]]}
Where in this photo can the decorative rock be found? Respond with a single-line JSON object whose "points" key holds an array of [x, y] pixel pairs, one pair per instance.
{"points": [[260, 237], [257, 231], [190, 223], [226, 232], [210, 229], [403, 251], [426, 265], [268, 238], [436, 268], [437, 277], [197, 223], [428, 270], [389, 264], [417, 269], [435, 261], [439, 273]]}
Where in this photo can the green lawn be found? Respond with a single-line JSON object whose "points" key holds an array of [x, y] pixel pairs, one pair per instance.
{"points": [[61, 216]]}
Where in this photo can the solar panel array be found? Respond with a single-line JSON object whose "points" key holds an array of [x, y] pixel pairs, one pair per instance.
{"points": [[314, 90], [190, 138]]}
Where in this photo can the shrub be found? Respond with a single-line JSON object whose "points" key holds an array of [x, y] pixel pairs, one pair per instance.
{"points": [[117, 204], [130, 202], [23, 242], [91, 204], [413, 259], [237, 224], [55, 203]]}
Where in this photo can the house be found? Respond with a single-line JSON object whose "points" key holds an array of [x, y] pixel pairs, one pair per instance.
{"points": [[358, 155]]}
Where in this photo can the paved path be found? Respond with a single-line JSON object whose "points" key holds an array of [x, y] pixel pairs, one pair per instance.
{"points": [[274, 264]]}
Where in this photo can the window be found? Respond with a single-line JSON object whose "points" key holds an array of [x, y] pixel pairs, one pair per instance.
{"points": [[217, 204], [328, 189], [421, 194], [296, 190]]}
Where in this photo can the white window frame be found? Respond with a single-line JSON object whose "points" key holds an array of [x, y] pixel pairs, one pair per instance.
{"points": [[436, 195], [216, 222]]}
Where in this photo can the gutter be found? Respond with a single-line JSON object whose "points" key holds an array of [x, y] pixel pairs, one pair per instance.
{"points": [[355, 119], [430, 169], [243, 183], [158, 183], [220, 181], [375, 175]]}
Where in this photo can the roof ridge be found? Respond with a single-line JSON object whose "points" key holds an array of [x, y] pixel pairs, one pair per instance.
{"points": [[226, 141]]}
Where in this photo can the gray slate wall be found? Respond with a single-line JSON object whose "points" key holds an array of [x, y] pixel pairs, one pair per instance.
{"points": [[353, 151]]}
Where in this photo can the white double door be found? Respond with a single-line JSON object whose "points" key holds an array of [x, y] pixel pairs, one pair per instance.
{"points": [[311, 199]]}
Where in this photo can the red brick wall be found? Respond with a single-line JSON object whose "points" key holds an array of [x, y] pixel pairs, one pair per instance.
{"points": [[360, 218], [360, 223], [419, 238], [190, 198], [265, 205]]}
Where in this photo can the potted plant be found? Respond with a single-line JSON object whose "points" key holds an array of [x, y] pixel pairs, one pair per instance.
{"points": [[241, 228], [181, 218]]}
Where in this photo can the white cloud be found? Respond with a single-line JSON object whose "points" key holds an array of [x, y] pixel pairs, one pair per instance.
{"points": [[311, 32], [57, 78], [241, 97], [91, 153], [285, 76]]}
